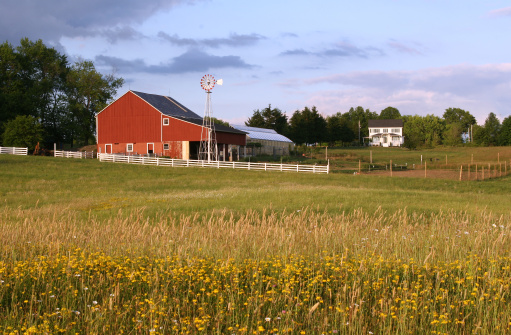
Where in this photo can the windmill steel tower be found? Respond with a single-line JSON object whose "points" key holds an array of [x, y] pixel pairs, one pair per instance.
{"points": [[208, 149]]}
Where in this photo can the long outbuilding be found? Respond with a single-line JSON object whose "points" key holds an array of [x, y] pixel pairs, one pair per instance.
{"points": [[140, 123]]}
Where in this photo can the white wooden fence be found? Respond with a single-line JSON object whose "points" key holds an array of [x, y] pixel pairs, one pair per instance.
{"points": [[212, 164], [73, 154], [14, 151]]}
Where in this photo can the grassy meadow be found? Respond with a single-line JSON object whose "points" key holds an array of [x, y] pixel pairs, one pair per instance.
{"points": [[103, 248], [347, 159]]}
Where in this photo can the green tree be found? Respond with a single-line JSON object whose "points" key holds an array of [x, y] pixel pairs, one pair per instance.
{"points": [[23, 131], [88, 93], [10, 86], [219, 121], [357, 119], [460, 116], [307, 126], [338, 129], [390, 113], [480, 136], [269, 118], [492, 129], [452, 134], [32, 82], [458, 122], [505, 132], [423, 130]]}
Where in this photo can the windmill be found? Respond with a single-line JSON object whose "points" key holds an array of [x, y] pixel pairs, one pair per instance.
{"points": [[208, 149]]}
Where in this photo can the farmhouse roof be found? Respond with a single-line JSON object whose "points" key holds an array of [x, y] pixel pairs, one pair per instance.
{"points": [[385, 123], [262, 134], [167, 105]]}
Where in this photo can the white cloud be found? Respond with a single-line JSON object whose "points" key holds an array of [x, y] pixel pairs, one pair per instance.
{"points": [[480, 89], [500, 12]]}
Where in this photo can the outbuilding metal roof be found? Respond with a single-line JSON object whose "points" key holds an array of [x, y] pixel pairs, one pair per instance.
{"points": [[262, 134]]}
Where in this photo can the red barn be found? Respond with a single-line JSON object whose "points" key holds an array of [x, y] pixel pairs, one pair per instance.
{"points": [[142, 123]]}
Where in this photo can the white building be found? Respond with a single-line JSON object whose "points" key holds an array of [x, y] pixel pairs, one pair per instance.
{"points": [[386, 133]]}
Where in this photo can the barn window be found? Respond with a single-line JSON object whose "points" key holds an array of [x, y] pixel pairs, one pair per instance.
{"points": [[129, 147], [165, 145], [166, 122]]}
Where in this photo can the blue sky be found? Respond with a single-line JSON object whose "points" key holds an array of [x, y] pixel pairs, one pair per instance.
{"points": [[420, 56]]}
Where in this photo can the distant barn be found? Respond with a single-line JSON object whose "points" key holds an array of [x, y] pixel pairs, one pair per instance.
{"points": [[140, 123]]}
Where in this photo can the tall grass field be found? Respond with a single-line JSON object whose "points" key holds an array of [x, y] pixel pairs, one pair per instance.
{"points": [[103, 248]]}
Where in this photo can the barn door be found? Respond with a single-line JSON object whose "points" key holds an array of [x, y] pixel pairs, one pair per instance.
{"points": [[108, 148], [150, 148]]}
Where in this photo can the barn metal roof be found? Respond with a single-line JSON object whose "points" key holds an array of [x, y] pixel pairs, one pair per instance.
{"points": [[171, 107], [167, 105], [262, 134]]}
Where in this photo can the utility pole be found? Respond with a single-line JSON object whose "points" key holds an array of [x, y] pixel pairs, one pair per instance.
{"points": [[359, 131]]}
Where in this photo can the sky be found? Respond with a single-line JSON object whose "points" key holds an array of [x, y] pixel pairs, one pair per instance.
{"points": [[419, 56]]}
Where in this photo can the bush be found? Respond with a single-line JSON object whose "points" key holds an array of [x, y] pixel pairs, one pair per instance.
{"points": [[23, 131]]}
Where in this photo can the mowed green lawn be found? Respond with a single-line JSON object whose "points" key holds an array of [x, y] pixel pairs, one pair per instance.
{"points": [[104, 190]]}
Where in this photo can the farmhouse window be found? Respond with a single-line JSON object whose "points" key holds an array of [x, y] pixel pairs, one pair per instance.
{"points": [[165, 145], [385, 130], [166, 122], [129, 147], [396, 130]]}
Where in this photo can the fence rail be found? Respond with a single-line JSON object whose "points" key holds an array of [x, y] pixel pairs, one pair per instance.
{"points": [[14, 151], [171, 162], [73, 154]]}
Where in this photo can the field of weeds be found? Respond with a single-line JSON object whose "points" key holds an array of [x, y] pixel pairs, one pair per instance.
{"points": [[269, 269]]}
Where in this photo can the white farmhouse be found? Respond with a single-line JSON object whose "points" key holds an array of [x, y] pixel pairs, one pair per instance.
{"points": [[386, 133]]}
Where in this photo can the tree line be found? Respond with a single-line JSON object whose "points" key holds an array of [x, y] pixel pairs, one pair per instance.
{"points": [[44, 98], [455, 127]]}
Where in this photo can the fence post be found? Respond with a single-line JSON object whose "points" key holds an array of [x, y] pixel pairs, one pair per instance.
{"points": [[425, 169], [461, 171], [391, 167], [468, 171], [482, 171]]}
